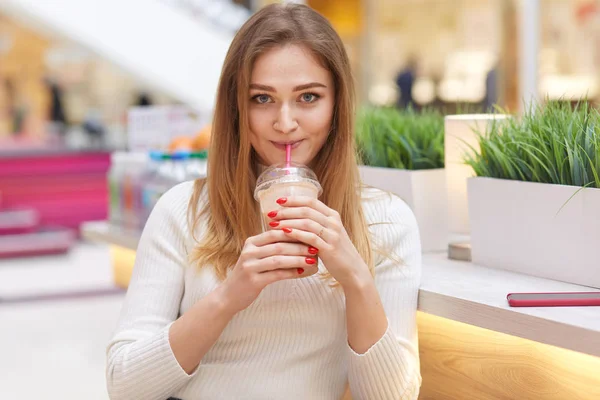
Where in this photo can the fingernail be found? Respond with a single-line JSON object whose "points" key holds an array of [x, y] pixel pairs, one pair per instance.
{"points": [[274, 224], [300, 271], [272, 214], [312, 250], [282, 200], [310, 260], [287, 230]]}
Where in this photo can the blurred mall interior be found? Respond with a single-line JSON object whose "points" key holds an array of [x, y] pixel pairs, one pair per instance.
{"points": [[95, 96]]}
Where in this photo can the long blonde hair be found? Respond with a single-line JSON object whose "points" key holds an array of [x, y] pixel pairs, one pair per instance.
{"points": [[231, 213]]}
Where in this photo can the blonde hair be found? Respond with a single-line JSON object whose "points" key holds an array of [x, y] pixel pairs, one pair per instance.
{"points": [[231, 213]]}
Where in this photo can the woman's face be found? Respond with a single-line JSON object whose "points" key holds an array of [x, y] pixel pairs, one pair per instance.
{"points": [[291, 101]]}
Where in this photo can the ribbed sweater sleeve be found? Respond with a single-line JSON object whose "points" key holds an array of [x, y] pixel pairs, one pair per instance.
{"points": [[140, 362], [390, 368]]}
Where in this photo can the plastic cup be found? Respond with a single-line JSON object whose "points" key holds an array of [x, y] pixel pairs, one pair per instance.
{"points": [[283, 180]]}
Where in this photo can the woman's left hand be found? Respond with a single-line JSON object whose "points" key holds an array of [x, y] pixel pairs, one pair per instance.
{"points": [[311, 222]]}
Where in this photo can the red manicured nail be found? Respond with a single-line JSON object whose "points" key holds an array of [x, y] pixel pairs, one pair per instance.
{"points": [[282, 200], [310, 260], [300, 271], [287, 230], [312, 250], [274, 224], [272, 214]]}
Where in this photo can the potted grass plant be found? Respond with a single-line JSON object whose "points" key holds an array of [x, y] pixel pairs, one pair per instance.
{"points": [[402, 152], [534, 205]]}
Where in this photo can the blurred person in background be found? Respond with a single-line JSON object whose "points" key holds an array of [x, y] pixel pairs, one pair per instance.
{"points": [[491, 88], [405, 82], [93, 126], [8, 105], [217, 308], [56, 115], [143, 100], [16, 108]]}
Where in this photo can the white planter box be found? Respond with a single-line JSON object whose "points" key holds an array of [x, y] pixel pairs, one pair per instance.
{"points": [[515, 226], [424, 192]]}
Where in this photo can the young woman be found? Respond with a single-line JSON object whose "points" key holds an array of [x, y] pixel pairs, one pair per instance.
{"points": [[218, 310]]}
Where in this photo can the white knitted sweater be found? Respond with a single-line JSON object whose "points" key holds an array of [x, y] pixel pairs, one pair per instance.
{"points": [[291, 343]]}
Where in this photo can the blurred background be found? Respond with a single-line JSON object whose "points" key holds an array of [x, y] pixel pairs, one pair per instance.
{"points": [[104, 104]]}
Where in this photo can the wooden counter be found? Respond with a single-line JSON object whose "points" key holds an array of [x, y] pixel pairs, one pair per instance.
{"points": [[472, 345], [470, 294]]}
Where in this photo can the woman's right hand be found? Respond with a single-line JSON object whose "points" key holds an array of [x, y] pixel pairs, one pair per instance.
{"points": [[266, 258]]}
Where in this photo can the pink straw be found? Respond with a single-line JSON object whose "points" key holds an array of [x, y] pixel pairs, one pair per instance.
{"points": [[288, 154]]}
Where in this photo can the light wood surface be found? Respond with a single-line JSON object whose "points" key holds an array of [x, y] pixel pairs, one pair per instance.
{"points": [[464, 292], [475, 295], [459, 361], [123, 261]]}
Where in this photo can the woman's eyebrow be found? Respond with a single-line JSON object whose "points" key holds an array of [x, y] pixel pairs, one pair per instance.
{"points": [[308, 86], [266, 88]]}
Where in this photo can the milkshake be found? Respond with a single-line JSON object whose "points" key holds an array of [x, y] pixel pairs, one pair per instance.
{"points": [[284, 180]]}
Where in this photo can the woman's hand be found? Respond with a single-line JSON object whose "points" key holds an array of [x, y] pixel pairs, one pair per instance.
{"points": [[266, 258], [309, 221]]}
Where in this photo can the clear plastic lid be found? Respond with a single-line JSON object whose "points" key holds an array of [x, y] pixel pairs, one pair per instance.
{"points": [[282, 173]]}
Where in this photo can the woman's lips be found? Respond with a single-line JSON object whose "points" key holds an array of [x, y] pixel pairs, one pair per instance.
{"points": [[281, 146]]}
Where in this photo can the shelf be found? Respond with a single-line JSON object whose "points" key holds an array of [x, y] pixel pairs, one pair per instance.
{"points": [[475, 295], [468, 293], [46, 151], [104, 232]]}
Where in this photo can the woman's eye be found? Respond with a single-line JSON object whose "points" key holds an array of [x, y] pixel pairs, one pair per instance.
{"points": [[261, 98], [309, 97]]}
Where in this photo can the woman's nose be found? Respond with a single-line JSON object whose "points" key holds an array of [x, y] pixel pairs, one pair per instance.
{"points": [[285, 123]]}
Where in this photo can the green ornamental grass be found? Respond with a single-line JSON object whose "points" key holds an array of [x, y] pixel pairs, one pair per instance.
{"points": [[554, 143], [389, 138]]}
